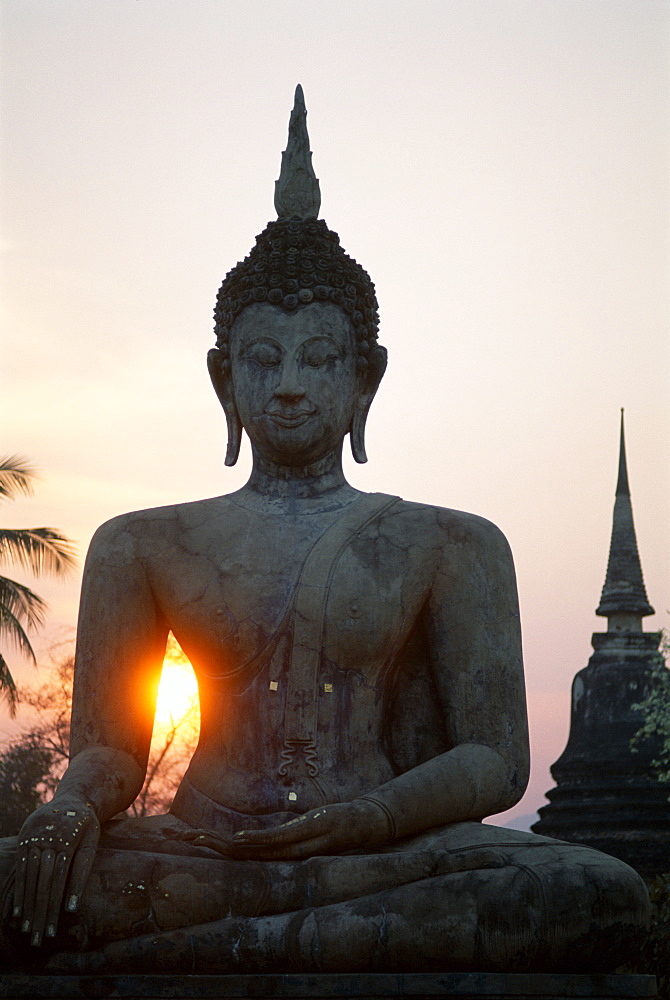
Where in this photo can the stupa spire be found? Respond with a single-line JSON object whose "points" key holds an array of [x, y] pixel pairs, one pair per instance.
{"points": [[624, 598], [297, 192], [622, 479]]}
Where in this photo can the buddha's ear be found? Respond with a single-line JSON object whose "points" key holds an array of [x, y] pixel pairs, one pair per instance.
{"points": [[219, 372], [371, 377]]}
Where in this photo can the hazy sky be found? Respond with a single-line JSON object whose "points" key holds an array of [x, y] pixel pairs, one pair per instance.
{"points": [[500, 167]]}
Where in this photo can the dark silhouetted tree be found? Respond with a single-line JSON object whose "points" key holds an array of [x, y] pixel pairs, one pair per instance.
{"points": [[23, 767], [37, 758], [656, 711]]}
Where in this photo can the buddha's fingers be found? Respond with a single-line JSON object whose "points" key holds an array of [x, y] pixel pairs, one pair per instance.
{"points": [[87, 836], [188, 835], [57, 892], [42, 896], [81, 869], [20, 884], [305, 849], [465, 861], [214, 843], [207, 838], [30, 887], [294, 851], [302, 828]]}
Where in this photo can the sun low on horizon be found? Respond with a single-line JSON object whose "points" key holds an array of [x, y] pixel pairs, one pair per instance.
{"points": [[177, 690]]}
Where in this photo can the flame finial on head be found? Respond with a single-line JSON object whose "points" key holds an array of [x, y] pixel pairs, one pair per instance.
{"points": [[297, 192]]}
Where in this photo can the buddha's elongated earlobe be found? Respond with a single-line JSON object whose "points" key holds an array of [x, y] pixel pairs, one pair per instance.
{"points": [[358, 436], [219, 372], [234, 425], [374, 372]]}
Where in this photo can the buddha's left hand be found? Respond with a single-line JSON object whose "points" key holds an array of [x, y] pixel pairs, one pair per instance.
{"points": [[329, 829]]}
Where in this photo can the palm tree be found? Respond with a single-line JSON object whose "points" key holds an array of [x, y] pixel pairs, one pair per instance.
{"points": [[40, 550]]}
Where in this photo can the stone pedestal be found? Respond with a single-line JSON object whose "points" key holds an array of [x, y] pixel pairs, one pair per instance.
{"points": [[419, 986]]}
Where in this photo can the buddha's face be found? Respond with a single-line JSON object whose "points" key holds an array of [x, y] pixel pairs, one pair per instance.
{"points": [[294, 380]]}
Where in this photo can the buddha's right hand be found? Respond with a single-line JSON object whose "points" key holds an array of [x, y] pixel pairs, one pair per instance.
{"points": [[57, 845]]}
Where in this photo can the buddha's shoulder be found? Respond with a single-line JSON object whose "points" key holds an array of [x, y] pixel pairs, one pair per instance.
{"points": [[446, 526], [138, 529], [155, 529]]}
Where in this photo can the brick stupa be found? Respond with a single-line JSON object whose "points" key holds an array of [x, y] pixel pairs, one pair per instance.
{"points": [[606, 796]]}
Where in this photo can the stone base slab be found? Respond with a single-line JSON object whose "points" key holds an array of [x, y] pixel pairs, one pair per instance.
{"points": [[377, 986]]}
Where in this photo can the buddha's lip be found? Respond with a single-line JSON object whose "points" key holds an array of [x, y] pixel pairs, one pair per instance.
{"points": [[293, 419]]}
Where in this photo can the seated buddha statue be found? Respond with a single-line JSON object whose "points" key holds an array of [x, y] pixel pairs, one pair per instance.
{"points": [[361, 687]]}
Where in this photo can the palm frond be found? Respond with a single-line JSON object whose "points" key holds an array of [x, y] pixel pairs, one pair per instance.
{"points": [[11, 627], [16, 476], [21, 602], [8, 687], [40, 550]]}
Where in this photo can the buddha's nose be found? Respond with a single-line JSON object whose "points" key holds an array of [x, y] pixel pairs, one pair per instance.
{"points": [[290, 385]]}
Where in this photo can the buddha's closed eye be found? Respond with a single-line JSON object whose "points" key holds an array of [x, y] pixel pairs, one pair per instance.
{"points": [[265, 355], [316, 357]]}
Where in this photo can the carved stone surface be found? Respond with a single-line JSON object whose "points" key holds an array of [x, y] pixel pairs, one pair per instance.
{"points": [[466, 986], [362, 703]]}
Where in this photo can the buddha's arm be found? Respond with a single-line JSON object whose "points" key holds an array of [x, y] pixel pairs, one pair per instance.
{"points": [[475, 643], [121, 638], [120, 646]]}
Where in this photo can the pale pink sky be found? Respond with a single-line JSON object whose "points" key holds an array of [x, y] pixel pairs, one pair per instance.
{"points": [[501, 169]]}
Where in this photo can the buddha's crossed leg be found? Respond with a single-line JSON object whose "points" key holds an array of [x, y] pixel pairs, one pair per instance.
{"points": [[469, 897]]}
